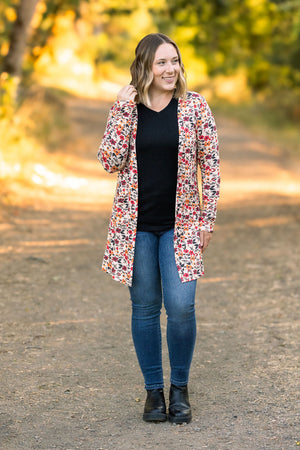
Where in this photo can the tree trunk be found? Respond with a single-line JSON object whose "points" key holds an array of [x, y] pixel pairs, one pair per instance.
{"points": [[18, 38]]}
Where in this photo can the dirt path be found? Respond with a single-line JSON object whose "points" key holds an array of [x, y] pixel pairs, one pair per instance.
{"points": [[70, 378]]}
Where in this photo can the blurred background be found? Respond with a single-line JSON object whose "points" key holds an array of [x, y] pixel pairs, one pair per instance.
{"points": [[65, 326], [242, 55]]}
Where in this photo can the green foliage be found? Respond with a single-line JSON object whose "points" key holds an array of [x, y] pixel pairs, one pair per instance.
{"points": [[259, 35], [220, 37], [7, 96], [7, 18]]}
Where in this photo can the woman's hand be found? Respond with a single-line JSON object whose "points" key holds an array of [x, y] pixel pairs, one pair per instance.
{"points": [[205, 237], [127, 93]]}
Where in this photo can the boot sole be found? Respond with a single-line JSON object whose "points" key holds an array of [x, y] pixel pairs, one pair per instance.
{"points": [[179, 420], [149, 417]]}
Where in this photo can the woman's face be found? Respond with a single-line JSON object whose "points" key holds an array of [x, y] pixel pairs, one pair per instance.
{"points": [[165, 68]]}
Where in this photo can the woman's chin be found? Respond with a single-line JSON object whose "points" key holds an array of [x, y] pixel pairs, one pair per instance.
{"points": [[169, 87]]}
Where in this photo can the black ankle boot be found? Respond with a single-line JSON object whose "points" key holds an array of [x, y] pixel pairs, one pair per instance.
{"points": [[155, 406], [179, 407]]}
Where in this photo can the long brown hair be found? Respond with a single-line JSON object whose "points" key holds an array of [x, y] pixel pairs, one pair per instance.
{"points": [[141, 68]]}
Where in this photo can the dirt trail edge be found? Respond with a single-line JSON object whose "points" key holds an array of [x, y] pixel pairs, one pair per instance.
{"points": [[70, 379]]}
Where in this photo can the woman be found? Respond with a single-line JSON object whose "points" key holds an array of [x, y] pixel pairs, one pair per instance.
{"points": [[156, 134]]}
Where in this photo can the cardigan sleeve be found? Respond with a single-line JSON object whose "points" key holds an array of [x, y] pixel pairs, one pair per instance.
{"points": [[208, 159], [113, 150]]}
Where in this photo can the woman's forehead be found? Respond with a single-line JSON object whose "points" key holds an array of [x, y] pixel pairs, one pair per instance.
{"points": [[165, 51]]}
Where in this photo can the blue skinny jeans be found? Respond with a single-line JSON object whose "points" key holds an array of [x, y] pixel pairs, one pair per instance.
{"points": [[155, 277]]}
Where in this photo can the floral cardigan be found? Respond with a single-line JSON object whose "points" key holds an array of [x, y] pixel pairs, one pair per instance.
{"points": [[198, 143]]}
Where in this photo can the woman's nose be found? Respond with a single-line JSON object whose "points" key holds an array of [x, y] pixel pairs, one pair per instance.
{"points": [[170, 68]]}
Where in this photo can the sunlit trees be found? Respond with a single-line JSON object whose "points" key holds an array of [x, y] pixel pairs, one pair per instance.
{"points": [[258, 38]]}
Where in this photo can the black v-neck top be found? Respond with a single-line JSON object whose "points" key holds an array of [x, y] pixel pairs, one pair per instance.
{"points": [[157, 159]]}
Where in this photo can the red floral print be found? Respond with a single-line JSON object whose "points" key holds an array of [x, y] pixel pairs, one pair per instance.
{"points": [[198, 144]]}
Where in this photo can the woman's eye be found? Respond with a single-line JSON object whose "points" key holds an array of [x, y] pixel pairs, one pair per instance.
{"points": [[162, 63]]}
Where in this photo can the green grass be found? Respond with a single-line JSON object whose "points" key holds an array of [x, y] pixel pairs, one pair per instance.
{"points": [[265, 121], [30, 132]]}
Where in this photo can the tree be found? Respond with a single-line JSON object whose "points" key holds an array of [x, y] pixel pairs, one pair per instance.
{"points": [[18, 37]]}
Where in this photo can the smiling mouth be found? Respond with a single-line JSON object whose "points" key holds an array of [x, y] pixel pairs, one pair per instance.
{"points": [[169, 79]]}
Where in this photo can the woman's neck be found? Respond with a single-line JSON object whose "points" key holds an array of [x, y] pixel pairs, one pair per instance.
{"points": [[160, 100]]}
